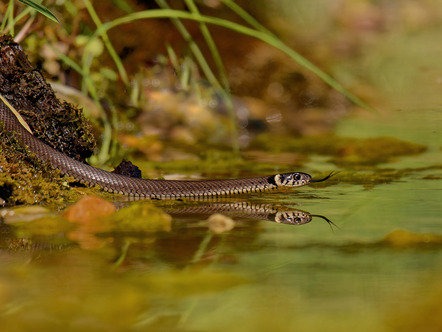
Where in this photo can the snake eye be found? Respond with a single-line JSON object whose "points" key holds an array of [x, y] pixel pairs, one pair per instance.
{"points": [[297, 176]]}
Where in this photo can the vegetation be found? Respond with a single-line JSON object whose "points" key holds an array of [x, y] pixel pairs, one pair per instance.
{"points": [[97, 41]]}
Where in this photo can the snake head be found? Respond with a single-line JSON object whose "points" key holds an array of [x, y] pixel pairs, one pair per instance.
{"points": [[296, 179]]}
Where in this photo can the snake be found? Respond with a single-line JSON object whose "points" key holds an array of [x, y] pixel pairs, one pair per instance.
{"points": [[147, 188]]}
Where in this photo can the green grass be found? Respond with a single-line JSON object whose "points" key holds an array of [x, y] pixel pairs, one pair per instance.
{"points": [[218, 80], [40, 9]]}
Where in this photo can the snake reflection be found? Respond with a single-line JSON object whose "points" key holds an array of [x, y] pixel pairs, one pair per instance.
{"points": [[269, 212]]}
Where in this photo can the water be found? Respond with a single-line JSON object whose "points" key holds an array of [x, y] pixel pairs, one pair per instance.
{"points": [[380, 264]]}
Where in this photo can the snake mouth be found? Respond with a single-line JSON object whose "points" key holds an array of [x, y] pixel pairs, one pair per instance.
{"points": [[326, 178]]}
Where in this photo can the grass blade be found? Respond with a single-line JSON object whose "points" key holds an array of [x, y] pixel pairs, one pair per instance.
{"points": [[17, 115], [246, 16], [107, 43], [41, 9]]}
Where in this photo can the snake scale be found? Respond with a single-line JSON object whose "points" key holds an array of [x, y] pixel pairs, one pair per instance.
{"points": [[147, 188]]}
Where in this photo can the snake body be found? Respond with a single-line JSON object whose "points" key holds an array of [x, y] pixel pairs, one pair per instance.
{"points": [[147, 188]]}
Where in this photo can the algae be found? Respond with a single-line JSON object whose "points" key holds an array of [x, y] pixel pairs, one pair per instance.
{"points": [[344, 151], [24, 179], [140, 218]]}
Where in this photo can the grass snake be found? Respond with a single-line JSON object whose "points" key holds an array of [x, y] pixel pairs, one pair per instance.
{"points": [[147, 188]]}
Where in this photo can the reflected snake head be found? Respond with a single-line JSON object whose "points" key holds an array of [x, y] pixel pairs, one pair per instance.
{"points": [[293, 217], [296, 179]]}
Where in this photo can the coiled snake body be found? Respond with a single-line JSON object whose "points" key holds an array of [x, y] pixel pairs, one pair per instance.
{"points": [[159, 189]]}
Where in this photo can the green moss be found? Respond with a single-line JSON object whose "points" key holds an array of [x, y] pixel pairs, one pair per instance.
{"points": [[26, 180], [44, 228], [140, 218], [343, 150]]}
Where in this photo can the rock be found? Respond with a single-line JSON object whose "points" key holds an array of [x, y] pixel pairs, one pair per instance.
{"points": [[88, 209], [23, 214]]}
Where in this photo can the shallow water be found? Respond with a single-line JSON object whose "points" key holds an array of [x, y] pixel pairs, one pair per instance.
{"points": [[379, 263]]}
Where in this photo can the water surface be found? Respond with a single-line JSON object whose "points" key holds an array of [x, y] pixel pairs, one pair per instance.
{"points": [[380, 263]]}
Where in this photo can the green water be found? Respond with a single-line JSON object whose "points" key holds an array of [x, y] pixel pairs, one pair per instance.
{"points": [[378, 269]]}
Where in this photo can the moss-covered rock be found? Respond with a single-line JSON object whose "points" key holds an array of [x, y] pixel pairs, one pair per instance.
{"points": [[26, 180]]}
